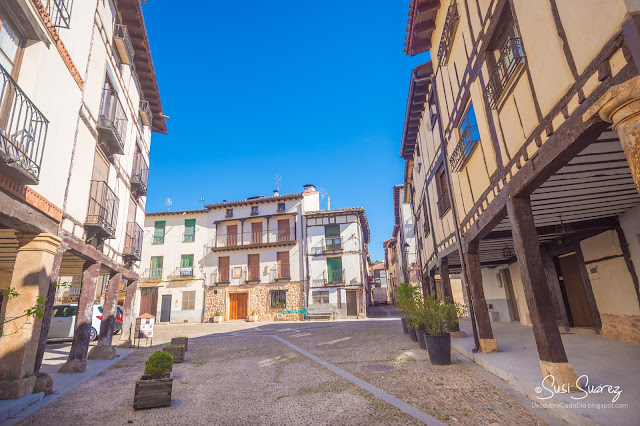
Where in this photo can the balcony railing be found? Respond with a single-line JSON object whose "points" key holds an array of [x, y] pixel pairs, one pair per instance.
{"points": [[253, 273], [23, 132], [112, 123], [283, 271], [511, 56], [468, 141], [133, 242], [103, 210], [123, 44], [253, 238], [59, 11], [145, 113], [443, 203], [153, 274], [332, 244], [222, 276], [183, 272], [448, 33], [335, 277], [139, 175]]}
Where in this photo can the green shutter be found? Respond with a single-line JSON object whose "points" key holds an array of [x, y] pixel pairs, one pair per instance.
{"points": [[158, 233], [186, 261], [189, 230], [332, 231], [334, 270]]}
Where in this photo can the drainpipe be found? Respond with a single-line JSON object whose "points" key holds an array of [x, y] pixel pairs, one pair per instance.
{"points": [[455, 222]]}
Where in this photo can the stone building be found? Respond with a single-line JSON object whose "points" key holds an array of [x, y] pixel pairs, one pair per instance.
{"points": [[521, 143], [79, 101]]}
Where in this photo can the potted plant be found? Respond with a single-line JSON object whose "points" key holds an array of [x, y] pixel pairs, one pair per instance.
{"points": [[154, 388], [217, 316], [406, 296], [440, 318], [254, 316], [420, 322], [177, 351], [182, 340]]}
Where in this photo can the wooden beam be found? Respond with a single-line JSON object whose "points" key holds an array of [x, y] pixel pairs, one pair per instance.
{"points": [[477, 292]]}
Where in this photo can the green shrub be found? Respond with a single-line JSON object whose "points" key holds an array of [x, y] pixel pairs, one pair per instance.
{"points": [[441, 316], [158, 364], [173, 346]]}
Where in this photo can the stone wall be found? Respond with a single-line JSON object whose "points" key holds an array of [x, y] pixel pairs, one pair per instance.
{"points": [[621, 327]]}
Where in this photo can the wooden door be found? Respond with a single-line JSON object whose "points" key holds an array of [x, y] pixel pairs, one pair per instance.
{"points": [[352, 303], [238, 306], [223, 269], [165, 311], [283, 230], [232, 235], [253, 274], [576, 297], [256, 233], [149, 301], [283, 264]]}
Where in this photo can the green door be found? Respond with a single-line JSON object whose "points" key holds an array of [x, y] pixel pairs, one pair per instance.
{"points": [[334, 270]]}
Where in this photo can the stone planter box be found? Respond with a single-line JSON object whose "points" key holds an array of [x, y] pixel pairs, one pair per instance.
{"points": [[253, 318], [152, 393], [177, 353], [181, 341], [217, 318]]}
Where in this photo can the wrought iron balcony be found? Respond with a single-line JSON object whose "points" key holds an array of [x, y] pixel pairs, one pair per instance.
{"points": [[23, 133], [332, 244], [251, 239], [145, 113], [59, 11], [139, 175], [152, 274], [112, 123], [222, 276], [123, 44], [335, 277], [511, 56], [183, 272], [103, 211], [448, 33], [283, 271], [468, 141], [133, 242], [253, 273], [443, 203]]}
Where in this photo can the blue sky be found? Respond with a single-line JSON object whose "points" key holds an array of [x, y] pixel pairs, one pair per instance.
{"points": [[314, 91]]}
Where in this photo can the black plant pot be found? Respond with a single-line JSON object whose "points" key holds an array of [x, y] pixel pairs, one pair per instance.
{"points": [[404, 326], [413, 335], [439, 348], [421, 341]]}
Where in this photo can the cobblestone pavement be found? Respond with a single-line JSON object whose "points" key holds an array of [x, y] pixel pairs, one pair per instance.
{"points": [[237, 373]]}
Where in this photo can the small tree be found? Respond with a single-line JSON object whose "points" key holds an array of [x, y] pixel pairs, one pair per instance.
{"points": [[158, 364], [441, 315]]}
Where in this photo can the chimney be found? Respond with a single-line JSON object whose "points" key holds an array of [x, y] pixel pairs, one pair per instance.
{"points": [[309, 188], [275, 193], [328, 203]]}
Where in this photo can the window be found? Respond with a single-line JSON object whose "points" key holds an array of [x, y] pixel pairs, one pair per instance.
{"points": [[188, 300], [320, 296], [283, 269], [189, 230], [223, 269], [278, 298], [158, 232], [469, 138], [254, 210], [332, 237], [281, 207], [433, 109], [186, 262], [253, 272], [334, 270], [229, 213], [443, 191], [283, 230], [448, 33], [426, 217], [10, 48], [155, 273]]}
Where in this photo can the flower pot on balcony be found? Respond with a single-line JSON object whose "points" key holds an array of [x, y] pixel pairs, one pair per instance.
{"points": [[217, 318], [151, 393], [439, 348]]}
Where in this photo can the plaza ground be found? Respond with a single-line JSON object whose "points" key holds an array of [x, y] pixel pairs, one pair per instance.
{"points": [[337, 372]]}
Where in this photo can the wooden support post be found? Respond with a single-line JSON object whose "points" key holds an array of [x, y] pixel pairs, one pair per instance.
{"points": [[77, 361], [104, 349], [553, 359], [447, 293], [554, 288], [487, 342], [127, 315]]}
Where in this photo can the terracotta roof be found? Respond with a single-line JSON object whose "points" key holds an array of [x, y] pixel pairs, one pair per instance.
{"points": [[377, 266], [142, 62], [176, 212], [360, 210], [416, 104], [420, 25], [261, 200]]}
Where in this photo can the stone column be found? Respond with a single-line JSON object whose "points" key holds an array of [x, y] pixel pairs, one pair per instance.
{"points": [[77, 361], [620, 105], [553, 359], [104, 349], [487, 342], [127, 315], [20, 334]]}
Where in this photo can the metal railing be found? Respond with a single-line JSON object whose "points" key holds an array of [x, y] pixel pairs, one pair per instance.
{"points": [[335, 276], [253, 273], [511, 56], [139, 174], [448, 33], [145, 112], [59, 11], [443, 203], [112, 122], [283, 271], [332, 244], [183, 272], [23, 129], [123, 42], [103, 208], [468, 141], [153, 274], [222, 275], [249, 238], [133, 241]]}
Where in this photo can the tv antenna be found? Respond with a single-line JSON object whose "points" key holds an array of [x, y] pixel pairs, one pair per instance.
{"points": [[323, 194], [278, 178], [202, 202], [168, 203]]}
